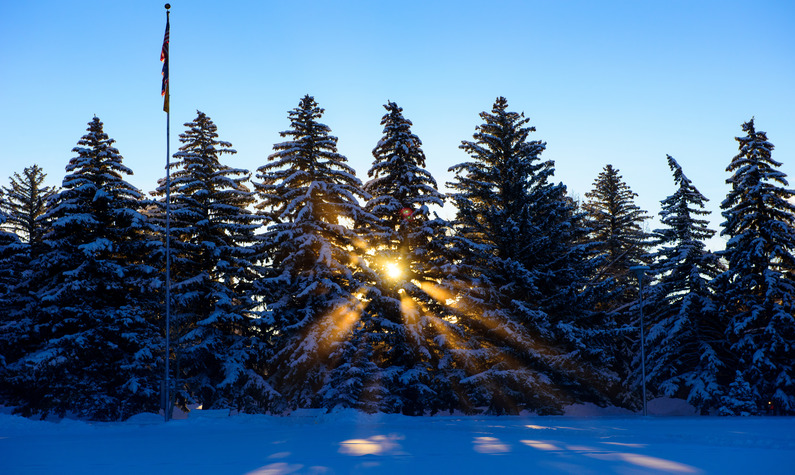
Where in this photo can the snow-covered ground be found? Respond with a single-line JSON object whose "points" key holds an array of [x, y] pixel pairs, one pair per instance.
{"points": [[350, 442]]}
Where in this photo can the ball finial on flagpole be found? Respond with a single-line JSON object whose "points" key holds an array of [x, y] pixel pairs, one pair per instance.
{"points": [[168, 5]]}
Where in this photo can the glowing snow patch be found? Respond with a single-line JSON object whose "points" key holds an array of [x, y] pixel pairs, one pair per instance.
{"points": [[490, 445], [657, 463], [537, 444], [375, 445], [277, 469], [622, 444]]}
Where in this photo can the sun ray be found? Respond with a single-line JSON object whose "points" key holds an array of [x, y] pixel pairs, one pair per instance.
{"points": [[501, 358], [450, 339], [323, 334], [436, 292], [507, 363], [361, 245]]}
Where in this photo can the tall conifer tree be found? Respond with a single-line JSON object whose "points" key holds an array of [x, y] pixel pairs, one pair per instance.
{"points": [[616, 233], [685, 339], [513, 357], [399, 315], [315, 277], [9, 242], [217, 349], [758, 288], [94, 307], [616, 225], [14, 326], [24, 204]]}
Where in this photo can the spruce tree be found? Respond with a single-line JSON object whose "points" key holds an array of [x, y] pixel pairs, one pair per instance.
{"points": [[98, 343], [24, 204], [685, 349], [512, 352], [758, 287], [616, 233], [397, 317], [8, 243], [563, 262], [11, 329], [314, 277], [16, 332], [216, 347], [616, 228]]}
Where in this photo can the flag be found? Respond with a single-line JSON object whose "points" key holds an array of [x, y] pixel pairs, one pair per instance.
{"points": [[164, 59]]}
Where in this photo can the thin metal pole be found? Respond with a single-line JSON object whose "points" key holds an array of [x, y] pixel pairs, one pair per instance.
{"points": [[168, 266], [642, 345], [167, 389], [639, 271]]}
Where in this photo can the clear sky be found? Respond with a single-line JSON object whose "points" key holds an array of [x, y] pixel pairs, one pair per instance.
{"points": [[604, 82]]}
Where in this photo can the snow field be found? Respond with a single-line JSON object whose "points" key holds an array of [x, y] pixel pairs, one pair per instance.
{"points": [[352, 442]]}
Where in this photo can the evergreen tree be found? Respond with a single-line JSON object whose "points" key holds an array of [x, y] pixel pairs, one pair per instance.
{"points": [[616, 227], [217, 349], [94, 311], [10, 247], [398, 316], [615, 223], [8, 240], [15, 325], [563, 262], [740, 399], [24, 204], [685, 348], [515, 356], [315, 277], [758, 288]]}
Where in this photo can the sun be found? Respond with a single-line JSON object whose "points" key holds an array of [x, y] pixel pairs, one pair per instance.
{"points": [[393, 270]]}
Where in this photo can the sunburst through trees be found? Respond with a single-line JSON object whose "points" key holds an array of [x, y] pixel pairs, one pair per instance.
{"points": [[314, 271], [388, 307], [338, 293]]}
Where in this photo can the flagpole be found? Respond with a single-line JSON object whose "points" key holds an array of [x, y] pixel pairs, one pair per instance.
{"points": [[167, 107]]}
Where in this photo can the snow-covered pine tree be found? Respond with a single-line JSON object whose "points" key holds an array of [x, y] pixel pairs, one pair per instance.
{"points": [[397, 315], [8, 242], [315, 276], [616, 225], [24, 204], [10, 334], [616, 233], [16, 331], [758, 288], [94, 307], [563, 262], [511, 352], [216, 349], [685, 342], [739, 399]]}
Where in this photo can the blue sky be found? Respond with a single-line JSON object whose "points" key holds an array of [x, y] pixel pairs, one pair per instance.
{"points": [[604, 82]]}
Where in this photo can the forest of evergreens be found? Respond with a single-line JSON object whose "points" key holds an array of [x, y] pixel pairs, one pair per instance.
{"points": [[299, 285]]}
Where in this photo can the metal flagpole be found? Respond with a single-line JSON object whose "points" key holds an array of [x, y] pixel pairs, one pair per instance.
{"points": [[642, 344], [164, 56], [639, 272]]}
